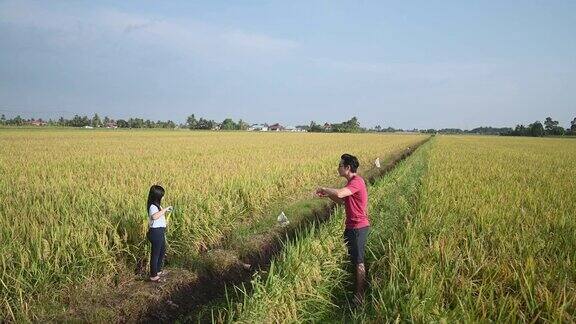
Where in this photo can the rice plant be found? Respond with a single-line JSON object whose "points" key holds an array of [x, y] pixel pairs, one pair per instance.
{"points": [[73, 200]]}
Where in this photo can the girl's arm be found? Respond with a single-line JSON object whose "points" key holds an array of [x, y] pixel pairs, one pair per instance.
{"points": [[161, 212]]}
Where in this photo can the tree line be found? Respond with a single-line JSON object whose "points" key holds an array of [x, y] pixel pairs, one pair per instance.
{"points": [[83, 121], [537, 129], [349, 126], [207, 124], [550, 127]]}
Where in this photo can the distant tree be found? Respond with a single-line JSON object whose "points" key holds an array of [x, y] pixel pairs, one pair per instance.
{"points": [[96, 122], [205, 124], [228, 124], [242, 125], [121, 123], [17, 121], [78, 121], [170, 124], [378, 128], [549, 124], [536, 129], [107, 120], [491, 130], [573, 126], [191, 122], [520, 130], [552, 128], [136, 122], [350, 126], [315, 127], [3, 119]]}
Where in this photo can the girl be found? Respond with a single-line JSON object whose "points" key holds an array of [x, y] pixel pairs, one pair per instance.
{"points": [[156, 230]]}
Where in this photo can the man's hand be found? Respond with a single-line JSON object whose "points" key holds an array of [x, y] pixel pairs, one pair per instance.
{"points": [[321, 193]]}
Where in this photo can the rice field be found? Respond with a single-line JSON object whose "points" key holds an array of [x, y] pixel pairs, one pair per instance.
{"points": [[73, 202], [468, 228], [474, 229], [495, 236]]}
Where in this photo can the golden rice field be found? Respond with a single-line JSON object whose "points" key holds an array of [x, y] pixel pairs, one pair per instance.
{"points": [[73, 201], [495, 238], [468, 229]]}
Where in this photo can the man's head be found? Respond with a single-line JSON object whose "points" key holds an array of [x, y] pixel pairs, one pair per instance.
{"points": [[348, 164]]}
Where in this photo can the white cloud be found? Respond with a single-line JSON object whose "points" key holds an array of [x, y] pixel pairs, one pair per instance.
{"points": [[185, 36]]}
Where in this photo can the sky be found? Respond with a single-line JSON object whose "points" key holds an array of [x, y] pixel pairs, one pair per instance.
{"points": [[402, 64]]}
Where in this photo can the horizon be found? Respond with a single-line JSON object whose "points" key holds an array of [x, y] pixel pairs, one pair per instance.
{"points": [[181, 123], [408, 66]]}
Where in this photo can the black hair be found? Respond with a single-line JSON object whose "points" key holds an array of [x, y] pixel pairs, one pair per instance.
{"points": [[351, 161], [154, 196]]}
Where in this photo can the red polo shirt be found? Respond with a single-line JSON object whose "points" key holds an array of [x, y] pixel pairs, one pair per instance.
{"points": [[356, 204]]}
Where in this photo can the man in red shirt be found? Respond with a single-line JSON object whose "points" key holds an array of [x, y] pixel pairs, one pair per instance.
{"points": [[354, 196]]}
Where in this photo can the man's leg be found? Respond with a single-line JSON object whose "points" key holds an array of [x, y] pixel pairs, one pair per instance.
{"points": [[362, 236], [360, 282]]}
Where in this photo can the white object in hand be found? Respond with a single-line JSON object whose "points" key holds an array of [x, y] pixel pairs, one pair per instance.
{"points": [[283, 220], [377, 162], [169, 208]]}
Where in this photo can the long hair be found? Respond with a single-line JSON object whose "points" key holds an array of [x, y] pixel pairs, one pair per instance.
{"points": [[154, 196]]}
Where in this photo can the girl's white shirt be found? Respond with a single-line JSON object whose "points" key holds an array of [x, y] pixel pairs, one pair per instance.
{"points": [[160, 222]]}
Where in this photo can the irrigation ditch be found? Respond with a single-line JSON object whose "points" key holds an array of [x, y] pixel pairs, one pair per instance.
{"points": [[234, 261]]}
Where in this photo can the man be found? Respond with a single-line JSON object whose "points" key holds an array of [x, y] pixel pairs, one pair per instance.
{"points": [[354, 196]]}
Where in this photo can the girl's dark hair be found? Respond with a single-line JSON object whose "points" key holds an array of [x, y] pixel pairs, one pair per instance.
{"points": [[155, 196], [351, 161]]}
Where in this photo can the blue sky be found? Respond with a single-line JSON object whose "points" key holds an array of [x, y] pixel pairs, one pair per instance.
{"points": [[417, 64]]}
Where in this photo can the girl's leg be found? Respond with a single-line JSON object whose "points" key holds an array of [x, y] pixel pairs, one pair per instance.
{"points": [[162, 252], [155, 253]]}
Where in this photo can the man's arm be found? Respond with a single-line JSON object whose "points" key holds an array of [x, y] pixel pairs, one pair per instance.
{"points": [[337, 195]]}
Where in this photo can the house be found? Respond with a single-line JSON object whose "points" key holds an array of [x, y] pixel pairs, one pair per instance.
{"points": [[295, 128], [258, 128], [111, 125], [38, 122], [276, 127], [327, 127]]}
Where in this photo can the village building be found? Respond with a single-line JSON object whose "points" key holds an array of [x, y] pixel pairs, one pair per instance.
{"points": [[258, 128], [276, 128]]}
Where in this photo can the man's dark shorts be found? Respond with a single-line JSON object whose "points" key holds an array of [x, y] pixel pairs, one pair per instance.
{"points": [[355, 239]]}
